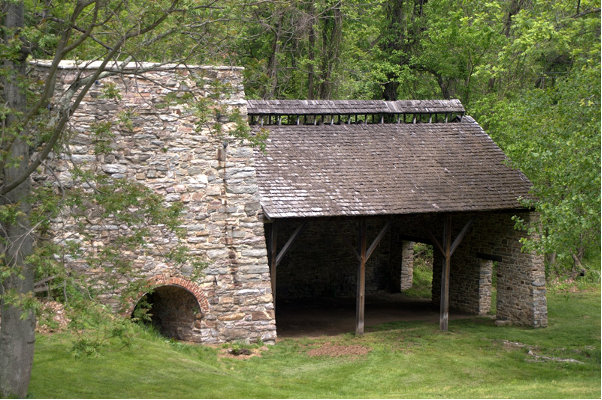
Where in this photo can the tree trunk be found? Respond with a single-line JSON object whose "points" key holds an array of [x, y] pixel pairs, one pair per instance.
{"points": [[331, 45], [17, 334], [551, 258], [403, 34], [513, 9], [273, 63], [444, 84], [311, 55], [390, 89], [396, 35]]}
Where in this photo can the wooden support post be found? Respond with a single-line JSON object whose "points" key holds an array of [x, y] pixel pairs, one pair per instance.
{"points": [[447, 250], [444, 309], [273, 259], [361, 281]]}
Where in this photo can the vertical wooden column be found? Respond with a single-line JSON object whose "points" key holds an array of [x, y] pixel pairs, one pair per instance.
{"points": [[273, 259], [361, 282], [444, 308]]}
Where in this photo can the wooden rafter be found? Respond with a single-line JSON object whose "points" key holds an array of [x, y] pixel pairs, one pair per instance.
{"points": [[378, 238], [290, 242], [275, 256], [461, 235]]}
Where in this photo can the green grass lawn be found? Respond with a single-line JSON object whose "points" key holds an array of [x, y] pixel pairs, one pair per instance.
{"points": [[406, 360]]}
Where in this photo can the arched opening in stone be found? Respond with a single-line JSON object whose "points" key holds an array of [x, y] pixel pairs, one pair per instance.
{"points": [[173, 311]]}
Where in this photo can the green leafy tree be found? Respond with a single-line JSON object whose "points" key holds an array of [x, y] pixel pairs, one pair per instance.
{"points": [[545, 114]]}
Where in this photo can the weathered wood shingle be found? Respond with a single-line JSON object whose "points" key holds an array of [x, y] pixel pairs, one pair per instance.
{"points": [[346, 170]]}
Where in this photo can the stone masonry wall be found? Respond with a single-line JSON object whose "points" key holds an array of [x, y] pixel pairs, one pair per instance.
{"points": [[320, 264], [485, 281], [166, 149]]}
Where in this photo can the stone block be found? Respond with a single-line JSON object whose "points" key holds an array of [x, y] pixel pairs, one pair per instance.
{"points": [[231, 317], [242, 189], [214, 190], [254, 252], [220, 253], [80, 159]]}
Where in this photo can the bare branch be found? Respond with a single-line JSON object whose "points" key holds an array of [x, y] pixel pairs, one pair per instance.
{"points": [[82, 86]]}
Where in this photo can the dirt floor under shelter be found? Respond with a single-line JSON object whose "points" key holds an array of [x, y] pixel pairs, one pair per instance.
{"points": [[335, 316]]}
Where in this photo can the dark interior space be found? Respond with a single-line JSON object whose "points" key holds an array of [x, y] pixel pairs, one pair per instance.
{"points": [[316, 283], [173, 311], [331, 316]]}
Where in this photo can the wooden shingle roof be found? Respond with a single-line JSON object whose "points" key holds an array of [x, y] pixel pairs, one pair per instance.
{"points": [[379, 169], [317, 107]]}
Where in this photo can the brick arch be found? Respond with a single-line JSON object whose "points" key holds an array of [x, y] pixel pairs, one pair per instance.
{"points": [[167, 280]]}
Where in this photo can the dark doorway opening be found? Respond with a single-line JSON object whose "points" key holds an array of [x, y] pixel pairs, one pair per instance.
{"points": [[173, 311]]}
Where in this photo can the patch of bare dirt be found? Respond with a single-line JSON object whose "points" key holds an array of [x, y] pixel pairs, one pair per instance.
{"points": [[531, 352], [338, 350], [52, 318], [242, 353], [514, 345]]}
